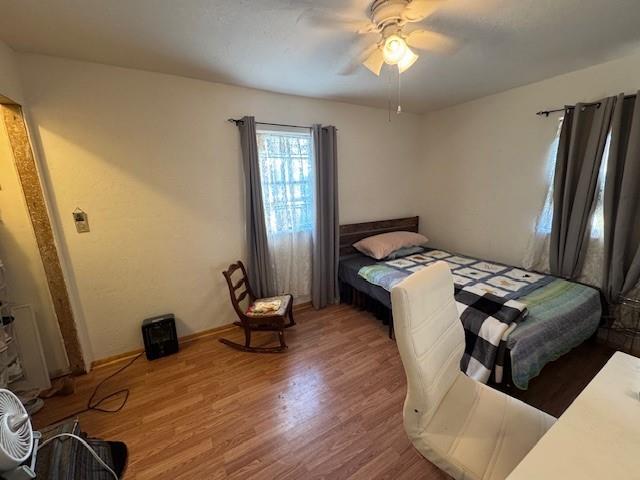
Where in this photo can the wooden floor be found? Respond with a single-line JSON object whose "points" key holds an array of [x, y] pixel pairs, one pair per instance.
{"points": [[331, 407]]}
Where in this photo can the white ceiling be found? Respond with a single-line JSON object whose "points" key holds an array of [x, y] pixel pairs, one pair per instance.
{"points": [[262, 44]]}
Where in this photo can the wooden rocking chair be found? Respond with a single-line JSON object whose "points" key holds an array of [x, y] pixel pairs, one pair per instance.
{"points": [[251, 321]]}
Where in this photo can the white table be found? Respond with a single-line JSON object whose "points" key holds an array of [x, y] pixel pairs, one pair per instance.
{"points": [[598, 437]]}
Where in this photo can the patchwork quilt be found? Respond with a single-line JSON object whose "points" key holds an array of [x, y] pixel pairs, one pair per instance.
{"points": [[499, 280], [485, 294]]}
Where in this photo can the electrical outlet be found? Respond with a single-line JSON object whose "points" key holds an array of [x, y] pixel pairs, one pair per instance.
{"points": [[81, 220]]}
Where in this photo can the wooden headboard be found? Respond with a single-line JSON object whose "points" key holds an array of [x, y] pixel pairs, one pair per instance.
{"points": [[351, 233]]}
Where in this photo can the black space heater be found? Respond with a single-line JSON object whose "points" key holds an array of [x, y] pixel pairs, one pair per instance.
{"points": [[160, 337]]}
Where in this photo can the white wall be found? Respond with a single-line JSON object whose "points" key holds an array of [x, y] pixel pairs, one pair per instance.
{"points": [[154, 163], [152, 160], [484, 162], [9, 78]]}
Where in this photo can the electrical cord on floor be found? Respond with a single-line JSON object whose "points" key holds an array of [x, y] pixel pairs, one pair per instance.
{"points": [[87, 446], [94, 405]]}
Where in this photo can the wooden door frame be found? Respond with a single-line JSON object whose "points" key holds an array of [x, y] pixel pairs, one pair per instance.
{"points": [[29, 178]]}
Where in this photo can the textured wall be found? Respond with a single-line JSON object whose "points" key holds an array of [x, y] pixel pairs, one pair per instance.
{"points": [[9, 78], [153, 161], [484, 162]]}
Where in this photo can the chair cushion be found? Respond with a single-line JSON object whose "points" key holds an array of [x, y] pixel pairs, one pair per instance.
{"points": [[480, 433], [284, 304]]}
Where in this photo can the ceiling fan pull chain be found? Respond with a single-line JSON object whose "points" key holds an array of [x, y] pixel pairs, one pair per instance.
{"points": [[399, 109], [389, 91]]}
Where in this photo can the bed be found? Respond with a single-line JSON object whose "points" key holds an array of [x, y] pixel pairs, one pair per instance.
{"points": [[559, 314]]}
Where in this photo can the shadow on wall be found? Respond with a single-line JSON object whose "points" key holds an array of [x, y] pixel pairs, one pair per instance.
{"points": [[156, 209], [62, 246], [154, 163], [177, 149]]}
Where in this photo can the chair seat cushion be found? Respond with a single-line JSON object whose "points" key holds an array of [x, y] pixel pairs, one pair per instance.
{"points": [[480, 433], [256, 309]]}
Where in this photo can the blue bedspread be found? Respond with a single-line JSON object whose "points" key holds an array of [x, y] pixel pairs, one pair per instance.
{"points": [[484, 293], [561, 316]]}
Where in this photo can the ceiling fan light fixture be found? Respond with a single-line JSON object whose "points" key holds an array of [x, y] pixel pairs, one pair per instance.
{"points": [[407, 60], [374, 61], [394, 49]]}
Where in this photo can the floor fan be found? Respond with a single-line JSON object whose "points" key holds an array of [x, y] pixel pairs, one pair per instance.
{"points": [[17, 439]]}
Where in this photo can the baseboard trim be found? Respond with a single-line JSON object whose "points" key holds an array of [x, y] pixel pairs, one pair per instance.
{"points": [[103, 362], [185, 339]]}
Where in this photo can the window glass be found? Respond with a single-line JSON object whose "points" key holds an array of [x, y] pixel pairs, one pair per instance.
{"points": [[597, 220], [286, 170]]}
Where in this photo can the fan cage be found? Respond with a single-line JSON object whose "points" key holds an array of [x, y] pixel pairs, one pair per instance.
{"points": [[15, 447]]}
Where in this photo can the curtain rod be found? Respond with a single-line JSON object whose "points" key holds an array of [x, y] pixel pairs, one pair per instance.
{"points": [[546, 113], [237, 121]]}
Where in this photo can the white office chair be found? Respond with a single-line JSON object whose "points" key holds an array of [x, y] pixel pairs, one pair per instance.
{"points": [[469, 430]]}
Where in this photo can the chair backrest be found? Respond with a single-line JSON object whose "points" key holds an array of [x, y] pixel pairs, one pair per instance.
{"points": [[430, 338], [240, 289]]}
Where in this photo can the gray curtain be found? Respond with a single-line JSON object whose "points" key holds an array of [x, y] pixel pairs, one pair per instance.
{"points": [[259, 265], [582, 142], [622, 202], [324, 281]]}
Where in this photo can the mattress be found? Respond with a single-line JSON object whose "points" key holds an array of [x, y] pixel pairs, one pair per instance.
{"points": [[561, 315], [348, 269]]}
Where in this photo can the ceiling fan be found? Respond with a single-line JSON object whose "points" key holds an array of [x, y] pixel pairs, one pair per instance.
{"points": [[390, 20]]}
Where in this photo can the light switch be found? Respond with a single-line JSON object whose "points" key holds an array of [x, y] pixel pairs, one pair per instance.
{"points": [[81, 220]]}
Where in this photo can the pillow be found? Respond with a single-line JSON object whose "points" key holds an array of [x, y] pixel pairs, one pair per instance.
{"points": [[403, 252], [379, 246]]}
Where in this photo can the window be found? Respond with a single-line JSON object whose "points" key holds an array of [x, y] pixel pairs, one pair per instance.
{"points": [[597, 220], [286, 169], [288, 194], [543, 226], [537, 254]]}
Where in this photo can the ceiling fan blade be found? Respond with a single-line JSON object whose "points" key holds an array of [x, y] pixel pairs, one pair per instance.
{"points": [[313, 18], [374, 61], [418, 10], [432, 42], [356, 55]]}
